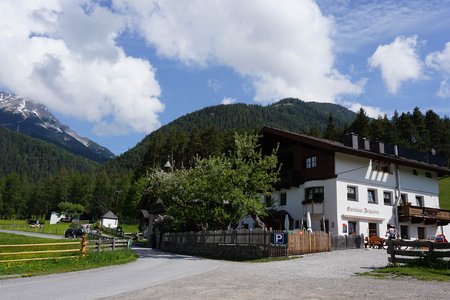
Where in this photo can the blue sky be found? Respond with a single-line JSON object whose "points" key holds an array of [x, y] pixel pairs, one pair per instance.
{"points": [[116, 70]]}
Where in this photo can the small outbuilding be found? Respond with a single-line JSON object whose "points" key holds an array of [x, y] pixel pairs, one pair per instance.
{"points": [[109, 220]]}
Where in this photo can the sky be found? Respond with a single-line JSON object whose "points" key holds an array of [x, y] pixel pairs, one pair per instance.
{"points": [[116, 70]]}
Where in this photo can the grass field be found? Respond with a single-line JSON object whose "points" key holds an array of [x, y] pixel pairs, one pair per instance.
{"points": [[419, 269], [31, 268], [56, 229]]}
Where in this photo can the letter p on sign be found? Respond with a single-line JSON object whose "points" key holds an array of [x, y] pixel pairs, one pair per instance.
{"points": [[279, 238]]}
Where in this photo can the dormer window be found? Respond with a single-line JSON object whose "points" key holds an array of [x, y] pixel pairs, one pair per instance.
{"points": [[381, 166]]}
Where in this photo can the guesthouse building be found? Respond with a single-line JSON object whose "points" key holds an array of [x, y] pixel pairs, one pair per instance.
{"points": [[357, 186]]}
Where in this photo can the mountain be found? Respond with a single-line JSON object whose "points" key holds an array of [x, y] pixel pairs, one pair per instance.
{"points": [[25, 116], [210, 130], [34, 158]]}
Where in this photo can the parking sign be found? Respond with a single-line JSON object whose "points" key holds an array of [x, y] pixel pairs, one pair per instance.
{"points": [[279, 239]]}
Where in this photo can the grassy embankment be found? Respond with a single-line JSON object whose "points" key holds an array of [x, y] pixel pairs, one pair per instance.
{"points": [[32, 268], [419, 269], [444, 193]]}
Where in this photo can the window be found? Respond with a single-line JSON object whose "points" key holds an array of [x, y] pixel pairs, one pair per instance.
{"points": [[404, 234], [283, 199], [419, 201], [352, 227], [351, 193], [421, 233], [268, 199], [314, 194], [404, 198], [371, 196], [415, 172], [381, 166], [428, 174], [373, 229], [311, 162], [387, 196]]}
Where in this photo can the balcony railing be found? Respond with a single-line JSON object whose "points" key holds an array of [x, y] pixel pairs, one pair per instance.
{"points": [[426, 215]]}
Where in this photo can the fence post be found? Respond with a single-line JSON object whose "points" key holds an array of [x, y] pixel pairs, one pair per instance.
{"points": [[430, 250], [83, 245], [113, 244], [391, 250]]}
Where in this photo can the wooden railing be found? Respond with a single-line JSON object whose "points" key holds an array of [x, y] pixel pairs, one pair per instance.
{"points": [[401, 251], [53, 249], [112, 244], [428, 215], [36, 254]]}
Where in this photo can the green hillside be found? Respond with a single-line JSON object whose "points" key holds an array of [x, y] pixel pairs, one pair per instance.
{"points": [[444, 193], [210, 130], [34, 158]]}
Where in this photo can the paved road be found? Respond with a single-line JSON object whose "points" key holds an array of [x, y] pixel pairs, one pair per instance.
{"points": [[152, 268], [159, 275], [328, 275], [35, 234]]}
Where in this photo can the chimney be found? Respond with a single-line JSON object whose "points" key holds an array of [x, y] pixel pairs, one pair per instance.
{"points": [[351, 140], [377, 147], [366, 144]]}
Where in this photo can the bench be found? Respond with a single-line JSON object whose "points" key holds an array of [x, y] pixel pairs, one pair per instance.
{"points": [[374, 242]]}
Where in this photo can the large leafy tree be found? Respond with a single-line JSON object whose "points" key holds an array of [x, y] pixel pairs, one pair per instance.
{"points": [[217, 190]]}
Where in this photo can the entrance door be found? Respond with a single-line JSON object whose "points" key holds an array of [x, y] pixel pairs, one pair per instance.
{"points": [[352, 227], [373, 229]]}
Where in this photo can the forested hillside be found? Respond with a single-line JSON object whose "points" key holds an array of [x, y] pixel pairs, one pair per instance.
{"points": [[34, 158], [210, 130], [116, 185]]}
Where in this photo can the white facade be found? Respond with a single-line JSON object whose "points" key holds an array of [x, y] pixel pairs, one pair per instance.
{"points": [[110, 223], [341, 215]]}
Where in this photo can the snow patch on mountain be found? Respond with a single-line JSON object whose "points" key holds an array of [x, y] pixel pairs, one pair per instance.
{"points": [[21, 110]]}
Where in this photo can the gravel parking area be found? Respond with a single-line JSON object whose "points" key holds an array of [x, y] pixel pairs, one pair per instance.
{"points": [[330, 275]]}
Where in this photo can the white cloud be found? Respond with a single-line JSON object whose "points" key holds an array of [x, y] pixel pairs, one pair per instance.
{"points": [[228, 100], [284, 50], [444, 89], [63, 55], [214, 84], [371, 111], [362, 23], [398, 62], [440, 61]]}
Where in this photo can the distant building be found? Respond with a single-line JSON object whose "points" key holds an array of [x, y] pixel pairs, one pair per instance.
{"points": [[357, 187], [109, 220]]}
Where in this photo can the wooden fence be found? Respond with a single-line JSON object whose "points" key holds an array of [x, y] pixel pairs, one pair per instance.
{"points": [[39, 254], [245, 243], [401, 251], [56, 251], [112, 244], [304, 242]]}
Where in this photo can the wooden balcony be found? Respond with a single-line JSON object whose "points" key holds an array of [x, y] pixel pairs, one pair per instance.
{"points": [[425, 215]]}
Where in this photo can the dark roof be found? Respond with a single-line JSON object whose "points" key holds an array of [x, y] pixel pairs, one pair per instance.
{"points": [[109, 215], [340, 147]]}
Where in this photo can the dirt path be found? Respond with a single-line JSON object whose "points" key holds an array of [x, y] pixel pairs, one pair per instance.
{"points": [[318, 276]]}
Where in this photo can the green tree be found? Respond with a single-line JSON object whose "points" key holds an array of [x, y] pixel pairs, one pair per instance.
{"points": [[70, 210], [217, 190], [360, 125], [330, 130]]}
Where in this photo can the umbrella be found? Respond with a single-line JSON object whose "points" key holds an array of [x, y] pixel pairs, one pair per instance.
{"points": [[308, 221], [286, 222]]}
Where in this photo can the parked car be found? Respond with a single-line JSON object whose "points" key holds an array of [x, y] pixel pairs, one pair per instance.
{"points": [[440, 238], [73, 233]]}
